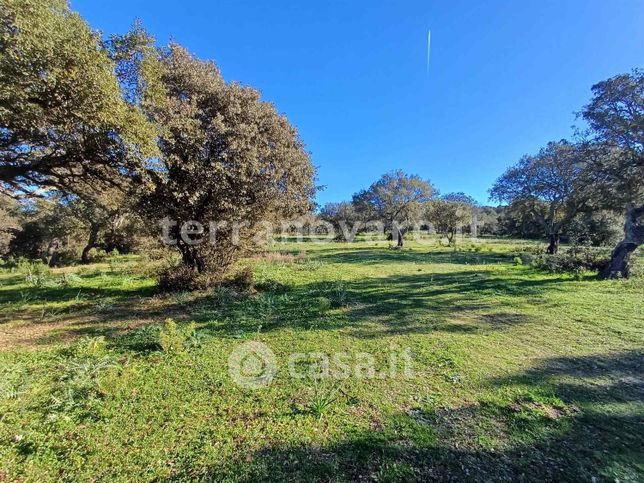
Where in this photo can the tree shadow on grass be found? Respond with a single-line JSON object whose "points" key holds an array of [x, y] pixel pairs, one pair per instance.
{"points": [[465, 301], [544, 427], [459, 302], [371, 255]]}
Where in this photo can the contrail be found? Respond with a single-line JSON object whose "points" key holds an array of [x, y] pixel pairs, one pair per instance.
{"points": [[429, 39]]}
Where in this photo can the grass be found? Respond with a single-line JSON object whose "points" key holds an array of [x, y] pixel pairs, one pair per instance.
{"points": [[513, 373]]}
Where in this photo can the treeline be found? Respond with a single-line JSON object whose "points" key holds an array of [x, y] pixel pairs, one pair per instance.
{"points": [[427, 210], [582, 189]]}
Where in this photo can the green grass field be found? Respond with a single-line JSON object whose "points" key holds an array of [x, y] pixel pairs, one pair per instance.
{"points": [[513, 374]]}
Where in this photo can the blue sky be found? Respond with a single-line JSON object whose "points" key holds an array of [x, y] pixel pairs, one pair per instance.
{"points": [[505, 77]]}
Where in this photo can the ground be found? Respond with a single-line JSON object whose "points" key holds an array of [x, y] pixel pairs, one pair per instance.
{"points": [[499, 372]]}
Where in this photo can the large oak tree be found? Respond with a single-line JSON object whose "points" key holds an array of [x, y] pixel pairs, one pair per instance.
{"points": [[396, 200], [551, 185], [616, 116], [63, 119], [229, 161]]}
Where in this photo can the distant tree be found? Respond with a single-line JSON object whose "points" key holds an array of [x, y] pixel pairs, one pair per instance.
{"points": [[343, 217], [488, 220], [518, 220], [616, 117], [102, 213], [397, 200], [449, 213], [63, 120], [49, 230], [551, 185], [227, 158]]}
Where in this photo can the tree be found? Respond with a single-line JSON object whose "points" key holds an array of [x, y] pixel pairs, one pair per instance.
{"points": [[616, 116], [102, 213], [551, 185], [487, 220], [450, 212], [49, 230], [63, 120], [228, 163], [341, 215], [518, 220], [396, 200]]}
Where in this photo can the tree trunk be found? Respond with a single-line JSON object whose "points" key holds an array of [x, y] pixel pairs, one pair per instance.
{"points": [[91, 243], [619, 265], [553, 247], [51, 257], [191, 257], [399, 237]]}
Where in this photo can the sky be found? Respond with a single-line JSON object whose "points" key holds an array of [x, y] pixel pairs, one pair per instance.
{"points": [[504, 77]]}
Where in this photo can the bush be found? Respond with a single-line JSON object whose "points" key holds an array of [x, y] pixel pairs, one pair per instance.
{"points": [[575, 260], [182, 278], [243, 281]]}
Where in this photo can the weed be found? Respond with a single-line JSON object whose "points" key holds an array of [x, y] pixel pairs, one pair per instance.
{"points": [[323, 398], [173, 339]]}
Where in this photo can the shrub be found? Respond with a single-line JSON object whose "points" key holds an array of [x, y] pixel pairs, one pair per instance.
{"points": [[575, 260], [243, 281], [183, 277]]}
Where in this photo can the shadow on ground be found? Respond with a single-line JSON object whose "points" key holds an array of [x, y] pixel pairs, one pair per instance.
{"points": [[462, 301], [384, 255], [592, 434]]}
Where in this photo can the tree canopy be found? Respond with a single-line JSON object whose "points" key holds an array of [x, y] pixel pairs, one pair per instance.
{"points": [[226, 158], [63, 119], [552, 185], [616, 117], [396, 200]]}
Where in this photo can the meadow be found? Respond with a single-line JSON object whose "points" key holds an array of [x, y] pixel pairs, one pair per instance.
{"points": [[516, 374]]}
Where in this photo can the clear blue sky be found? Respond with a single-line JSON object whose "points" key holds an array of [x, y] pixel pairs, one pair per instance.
{"points": [[504, 78]]}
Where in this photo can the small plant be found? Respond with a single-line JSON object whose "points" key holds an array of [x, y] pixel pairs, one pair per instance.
{"points": [[225, 296], [394, 472], [103, 305], [339, 295], [76, 392], [173, 339], [518, 261], [182, 297], [37, 274], [323, 398], [323, 304], [93, 347], [68, 279]]}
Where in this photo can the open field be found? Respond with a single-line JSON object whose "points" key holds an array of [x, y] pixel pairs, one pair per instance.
{"points": [[515, 373]]}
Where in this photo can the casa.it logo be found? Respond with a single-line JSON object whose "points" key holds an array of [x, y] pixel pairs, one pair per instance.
{"points": [[252, 365]]}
